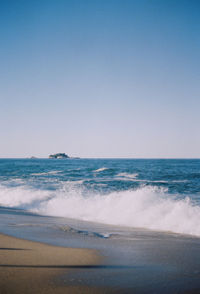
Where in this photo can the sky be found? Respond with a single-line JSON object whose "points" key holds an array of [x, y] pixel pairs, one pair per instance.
{"points": [[106, 78]]}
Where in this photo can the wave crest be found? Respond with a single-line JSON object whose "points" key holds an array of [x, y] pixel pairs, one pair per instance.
{"points": [[100, 169], [146, 207]]}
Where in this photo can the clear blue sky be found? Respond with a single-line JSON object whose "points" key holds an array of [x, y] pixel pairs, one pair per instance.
{"points": [[106, 78]]}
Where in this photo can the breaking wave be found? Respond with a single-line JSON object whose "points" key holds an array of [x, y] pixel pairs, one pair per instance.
{"points": [[53, 172], [128, 175], [100, 169], [146, 207]]}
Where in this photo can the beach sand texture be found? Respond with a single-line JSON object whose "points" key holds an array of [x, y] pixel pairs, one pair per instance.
{"points": [[32, 267]]}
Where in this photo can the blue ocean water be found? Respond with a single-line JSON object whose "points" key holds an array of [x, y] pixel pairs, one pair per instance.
{"points": [[155, 194]]}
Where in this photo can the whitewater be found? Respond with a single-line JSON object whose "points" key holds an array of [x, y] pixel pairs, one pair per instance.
{"points": [[160, 195]]}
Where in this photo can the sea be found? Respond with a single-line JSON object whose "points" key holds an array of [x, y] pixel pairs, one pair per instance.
{"points": [[143, 215], [156, 194]]}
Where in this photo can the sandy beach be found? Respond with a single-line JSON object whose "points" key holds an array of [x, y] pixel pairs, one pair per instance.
{"points": [[32, 267]]}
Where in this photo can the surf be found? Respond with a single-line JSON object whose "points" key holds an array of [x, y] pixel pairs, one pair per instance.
{"points": [[146, 207]]}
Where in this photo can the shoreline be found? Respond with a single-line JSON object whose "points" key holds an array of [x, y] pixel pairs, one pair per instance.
{"points": [[147, 264], [33, 267]]}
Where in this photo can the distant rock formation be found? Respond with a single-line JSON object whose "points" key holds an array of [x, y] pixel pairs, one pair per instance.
{"points": [[59, 156]]}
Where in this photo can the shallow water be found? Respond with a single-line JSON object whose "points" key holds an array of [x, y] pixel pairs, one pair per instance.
{"points": [[133, 260]]}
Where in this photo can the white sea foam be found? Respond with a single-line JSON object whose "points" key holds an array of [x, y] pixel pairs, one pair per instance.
{"points": [[100, 169], [22, 197], [128, 175], [84, 232], [134, 178], [146, 207], [53, 172]]}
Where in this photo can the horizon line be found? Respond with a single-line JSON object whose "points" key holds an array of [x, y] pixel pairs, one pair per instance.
{"points": [[101, 158]]}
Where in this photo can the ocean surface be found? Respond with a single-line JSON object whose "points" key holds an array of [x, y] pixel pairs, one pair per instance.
{"points": [[152, 194]]}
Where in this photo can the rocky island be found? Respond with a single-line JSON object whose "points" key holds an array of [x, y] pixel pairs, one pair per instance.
{"points": [[59, 156]]}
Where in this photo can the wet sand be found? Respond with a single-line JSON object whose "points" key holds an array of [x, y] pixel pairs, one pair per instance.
{"points": [[137, 261], [32, 267]]}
